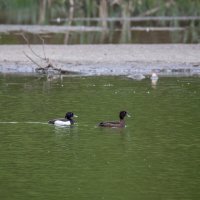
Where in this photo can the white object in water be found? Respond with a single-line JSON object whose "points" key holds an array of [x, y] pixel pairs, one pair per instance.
{"points": [[154, 79], [154, 76]]}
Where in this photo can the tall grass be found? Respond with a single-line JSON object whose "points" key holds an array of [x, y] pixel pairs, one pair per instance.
{"points": [[23, 11], [27, 11]]}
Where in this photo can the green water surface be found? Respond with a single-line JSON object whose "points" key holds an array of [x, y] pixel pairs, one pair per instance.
{"points": [[155, 157]]}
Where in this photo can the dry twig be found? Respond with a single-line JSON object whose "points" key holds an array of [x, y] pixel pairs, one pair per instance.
{"points": [[31, 47], [48, 66]]}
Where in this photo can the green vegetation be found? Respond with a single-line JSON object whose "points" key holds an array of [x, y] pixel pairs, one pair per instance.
{"points": [[39, 11], [84, 13]]}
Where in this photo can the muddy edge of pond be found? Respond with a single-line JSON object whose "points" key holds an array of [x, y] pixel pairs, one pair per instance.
{"points": [[130, 60]]}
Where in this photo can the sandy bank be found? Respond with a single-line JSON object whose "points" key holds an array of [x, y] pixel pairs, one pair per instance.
{"points": [[106, 59]]}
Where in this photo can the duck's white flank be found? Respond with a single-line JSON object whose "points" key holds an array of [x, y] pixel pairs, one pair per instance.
{"points": [[62, 123]]}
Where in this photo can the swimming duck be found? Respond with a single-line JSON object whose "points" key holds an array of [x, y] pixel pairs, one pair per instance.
{"points": [[116, 124], [63, 121]]}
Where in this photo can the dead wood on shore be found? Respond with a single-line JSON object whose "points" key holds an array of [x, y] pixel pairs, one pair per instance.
{"points": [[44, 65]]}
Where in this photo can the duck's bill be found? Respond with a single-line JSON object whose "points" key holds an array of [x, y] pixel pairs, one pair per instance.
{"points": [[128, 115], [75, 115]]}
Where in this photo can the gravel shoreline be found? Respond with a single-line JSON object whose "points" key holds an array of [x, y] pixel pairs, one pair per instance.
{"points": [[130, 60]]}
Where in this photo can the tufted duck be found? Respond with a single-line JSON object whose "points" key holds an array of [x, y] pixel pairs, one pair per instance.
{"points": [[116, 124], [64, 121]]}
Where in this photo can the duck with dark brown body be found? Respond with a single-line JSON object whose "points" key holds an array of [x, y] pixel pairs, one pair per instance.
{"points": [[116, 124]]}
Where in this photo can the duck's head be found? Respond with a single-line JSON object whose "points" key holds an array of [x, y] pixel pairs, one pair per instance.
{"points": [[69, 115], [122, 114]]}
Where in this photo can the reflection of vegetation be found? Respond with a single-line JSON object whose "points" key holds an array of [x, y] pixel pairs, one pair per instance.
{"points": [[192, 34]]}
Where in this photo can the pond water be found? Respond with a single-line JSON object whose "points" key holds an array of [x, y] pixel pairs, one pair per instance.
{"points": [[60, 34], [155, 157], [146, 30]]}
